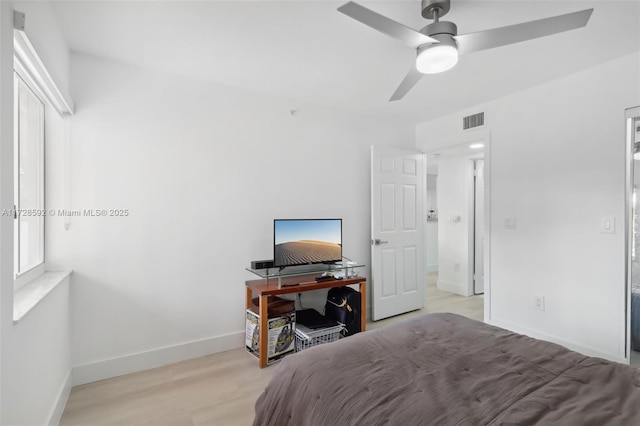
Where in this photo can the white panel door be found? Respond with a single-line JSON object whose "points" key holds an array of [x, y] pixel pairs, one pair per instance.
{"points": [[398, 255], [478, 270]]}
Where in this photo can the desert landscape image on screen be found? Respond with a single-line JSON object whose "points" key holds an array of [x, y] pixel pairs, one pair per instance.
{"points": [[301, 242]]}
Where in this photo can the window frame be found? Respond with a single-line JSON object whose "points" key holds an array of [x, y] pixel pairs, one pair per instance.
{"points": [[23, 277]]}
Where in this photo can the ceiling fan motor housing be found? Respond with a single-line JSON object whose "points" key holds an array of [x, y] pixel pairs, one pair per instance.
{"points": [[441, 27]]}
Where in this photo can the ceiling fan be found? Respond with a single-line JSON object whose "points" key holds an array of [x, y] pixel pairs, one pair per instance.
{"points": [[438, 44]]}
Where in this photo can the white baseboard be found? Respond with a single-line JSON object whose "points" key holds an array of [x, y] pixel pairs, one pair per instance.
{"points": [[105, 369], [455, 288], [567, 344], [432, 268], [61, 402]]}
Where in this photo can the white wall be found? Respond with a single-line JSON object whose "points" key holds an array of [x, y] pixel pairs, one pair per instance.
{"points": [[37, 371], [557, 165], [35, 361], [203, 170]]}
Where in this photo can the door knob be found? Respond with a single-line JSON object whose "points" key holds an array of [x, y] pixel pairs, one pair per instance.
{"points": [[378, 241]]}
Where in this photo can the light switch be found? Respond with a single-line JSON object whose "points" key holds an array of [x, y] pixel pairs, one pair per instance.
{"points": [[608, 225], [510, 223]]}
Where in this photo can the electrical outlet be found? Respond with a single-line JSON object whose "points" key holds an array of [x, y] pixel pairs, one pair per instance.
{"points": [[538, 303], [456, 266]]}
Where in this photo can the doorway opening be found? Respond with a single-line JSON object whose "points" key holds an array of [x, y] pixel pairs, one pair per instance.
{"points": [[457, 210]]}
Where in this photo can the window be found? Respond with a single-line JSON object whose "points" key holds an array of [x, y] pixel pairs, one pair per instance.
{"points": [[29, 178], [33, 86]]}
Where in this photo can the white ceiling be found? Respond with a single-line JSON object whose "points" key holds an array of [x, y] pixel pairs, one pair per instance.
{"points": [[307, 51]]}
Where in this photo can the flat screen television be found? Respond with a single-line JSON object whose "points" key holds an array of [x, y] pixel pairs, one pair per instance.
{"points": [[306, 241]]}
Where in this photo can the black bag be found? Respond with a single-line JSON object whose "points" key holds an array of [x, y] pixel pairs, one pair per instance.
{"points": [[343, 305]]}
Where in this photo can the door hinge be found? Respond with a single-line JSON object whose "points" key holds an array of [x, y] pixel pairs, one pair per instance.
{"points": [[15, 212]]}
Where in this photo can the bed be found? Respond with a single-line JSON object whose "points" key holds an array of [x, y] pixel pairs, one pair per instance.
{"points": [[445, 369]]}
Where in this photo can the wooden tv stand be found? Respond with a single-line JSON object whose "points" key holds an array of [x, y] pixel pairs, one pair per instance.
{"points": [[291, 285]]}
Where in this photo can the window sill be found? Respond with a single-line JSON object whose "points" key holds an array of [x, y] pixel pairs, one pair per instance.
{"points": [[25, 299]]}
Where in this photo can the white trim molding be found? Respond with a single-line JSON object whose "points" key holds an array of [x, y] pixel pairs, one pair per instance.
{"points": [[126, 364], [456, 288], [30, 63], [63, 396], [546, 337]]}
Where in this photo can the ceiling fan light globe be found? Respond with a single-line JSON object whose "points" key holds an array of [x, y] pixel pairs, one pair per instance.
{"points": [[436, 58]]}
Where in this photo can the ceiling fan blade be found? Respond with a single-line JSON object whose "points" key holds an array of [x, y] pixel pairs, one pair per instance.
{"points": [[502, 36], [385, 25], [410, 80]]}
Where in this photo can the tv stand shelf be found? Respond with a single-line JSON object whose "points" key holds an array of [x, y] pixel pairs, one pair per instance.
{"points": [[297, 283], [349, 270]]}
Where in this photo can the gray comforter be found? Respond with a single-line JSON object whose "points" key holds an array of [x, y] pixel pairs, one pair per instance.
{"points": [[445, 369]]}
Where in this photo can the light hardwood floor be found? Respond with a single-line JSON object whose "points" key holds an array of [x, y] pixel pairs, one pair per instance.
{"points": [[219, 389]]}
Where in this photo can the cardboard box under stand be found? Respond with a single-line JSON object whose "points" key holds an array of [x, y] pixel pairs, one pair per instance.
{"points": [[281, 335]]}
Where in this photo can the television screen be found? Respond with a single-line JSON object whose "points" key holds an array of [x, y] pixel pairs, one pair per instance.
{"points": [[306, 241]]}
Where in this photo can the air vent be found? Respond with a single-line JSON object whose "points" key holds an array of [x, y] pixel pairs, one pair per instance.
{"points": [[471, 121]]}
